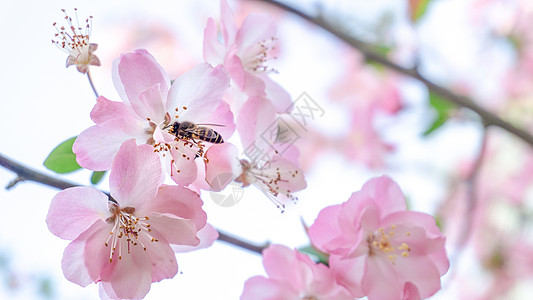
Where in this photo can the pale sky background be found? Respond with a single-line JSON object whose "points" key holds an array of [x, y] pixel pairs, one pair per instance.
{"points": [[43, 104]]}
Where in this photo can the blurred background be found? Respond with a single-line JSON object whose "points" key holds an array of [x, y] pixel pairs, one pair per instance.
{"points": [[475, 181]]}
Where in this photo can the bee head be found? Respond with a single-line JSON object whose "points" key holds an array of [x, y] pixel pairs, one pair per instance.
{"points": [[175, 127]]}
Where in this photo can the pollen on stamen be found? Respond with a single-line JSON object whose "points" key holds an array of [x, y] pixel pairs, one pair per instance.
{"points": [[127, 225]]}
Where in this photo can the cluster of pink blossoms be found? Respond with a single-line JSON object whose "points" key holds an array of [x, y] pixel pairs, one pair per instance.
{"points": [[376, 249], [126, 240]]}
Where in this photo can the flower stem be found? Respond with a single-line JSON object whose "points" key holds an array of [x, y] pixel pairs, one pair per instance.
{"points": [[92, 84]]}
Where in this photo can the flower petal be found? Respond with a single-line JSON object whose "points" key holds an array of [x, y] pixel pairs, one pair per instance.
{"points": [[223, 165], [223, 118], [279, 97], [74, 210], [349, 273], [131, 277], [73, 262], [180, 202], [162, 258], [380, 279], [247, 82], [207, 235], [326, 228], [280, 263], [410, 292], [255, 29], [134, 73], [387, 194], [199, 183], [420, 271], [175, 230], [200, 91], [152, 104], [261, 288], [180, 163], [105, 110], [229, 29], [136, 175], [96, 146], [256, 124], [213, 49]]}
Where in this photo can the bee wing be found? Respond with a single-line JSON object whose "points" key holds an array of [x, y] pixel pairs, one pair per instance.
{"points": [[209, 124]]}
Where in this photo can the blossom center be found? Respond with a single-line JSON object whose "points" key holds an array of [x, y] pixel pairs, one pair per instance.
{"points": [[267, 179], [381, 241], [128, 230], [258, 55]]}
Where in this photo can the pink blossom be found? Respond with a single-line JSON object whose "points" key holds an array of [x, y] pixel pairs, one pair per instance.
{"points": [[277, 177], [123, 240], [76, 43], [245, 51], [148, 111], [364, 143], [292, 275], [378, 249], [361, 85], [256, 119]]}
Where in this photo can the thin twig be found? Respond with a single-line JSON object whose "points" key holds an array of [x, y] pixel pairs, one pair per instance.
{"points": [[470, 205], [14, 182], [26, 173], [487, 117], [92, 84], [472, 198], [224, 237]]}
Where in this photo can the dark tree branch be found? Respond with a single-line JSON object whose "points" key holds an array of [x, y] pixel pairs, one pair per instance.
{"points": [[26, 173], [488, 118]]}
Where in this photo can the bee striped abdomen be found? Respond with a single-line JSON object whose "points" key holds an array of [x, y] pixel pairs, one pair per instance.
{"points": [[209, 135]]}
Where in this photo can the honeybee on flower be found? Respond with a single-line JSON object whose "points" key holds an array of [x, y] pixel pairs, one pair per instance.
{"points": [[74, 40]]}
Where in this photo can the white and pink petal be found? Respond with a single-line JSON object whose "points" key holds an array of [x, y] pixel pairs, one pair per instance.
{"points": [[75, 210], [134, 73], [136, 175], [195, 95]]}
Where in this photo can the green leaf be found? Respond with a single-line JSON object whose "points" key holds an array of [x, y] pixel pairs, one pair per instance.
{"points": [[62, 160], [417, 8], [438, 221], [317, 255], [97, 176], [443, 109]]}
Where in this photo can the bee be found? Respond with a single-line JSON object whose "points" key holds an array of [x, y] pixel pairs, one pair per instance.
{"points": [[188, 130]]}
